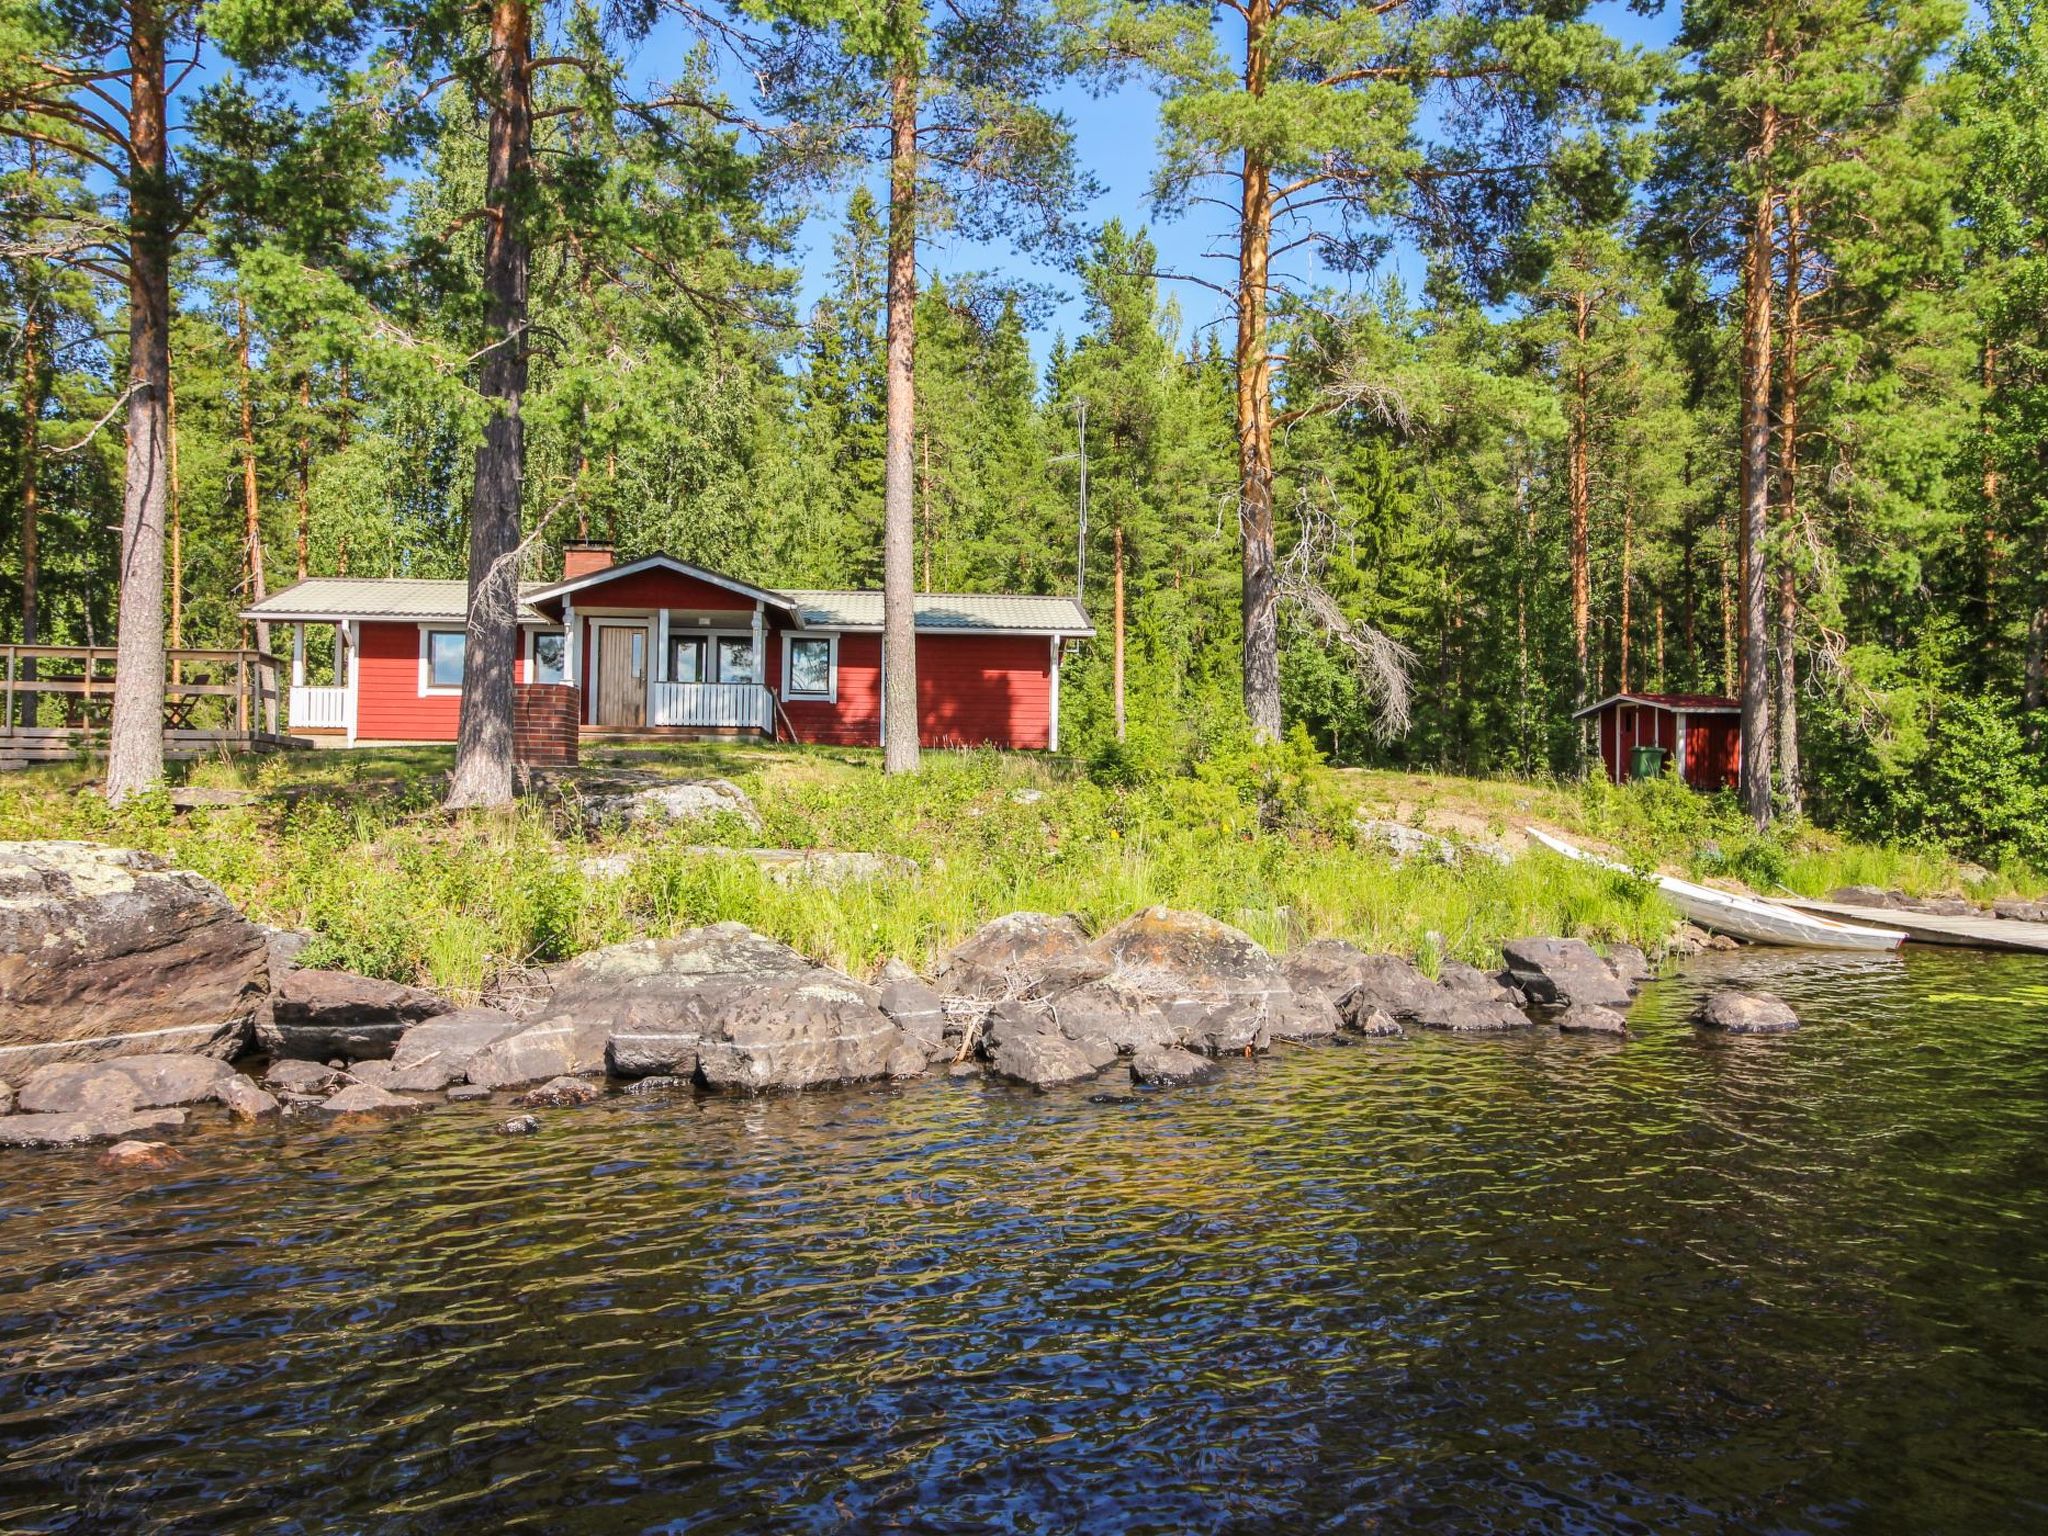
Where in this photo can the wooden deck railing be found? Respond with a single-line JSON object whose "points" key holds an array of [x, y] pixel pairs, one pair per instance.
{"points": [[212, 698]]}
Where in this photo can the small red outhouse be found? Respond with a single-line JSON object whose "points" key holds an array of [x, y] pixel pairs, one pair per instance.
{"points": [[1699, 732]]}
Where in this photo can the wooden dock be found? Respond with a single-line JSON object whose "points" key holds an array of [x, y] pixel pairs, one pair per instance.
{"points": [[1927, 928]]}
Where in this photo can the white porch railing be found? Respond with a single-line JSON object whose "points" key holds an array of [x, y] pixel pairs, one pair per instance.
{"points": [[318, 709], [744, 706]]}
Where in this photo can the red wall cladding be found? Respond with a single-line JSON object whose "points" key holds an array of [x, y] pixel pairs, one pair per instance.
{"points": [[984, 690], [659, 589], [388, 702]]}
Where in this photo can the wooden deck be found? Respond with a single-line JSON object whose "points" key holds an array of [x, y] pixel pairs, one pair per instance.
{"points": [[1927, 928], [56, 700]]}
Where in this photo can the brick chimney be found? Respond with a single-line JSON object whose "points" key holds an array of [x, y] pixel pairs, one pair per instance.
{"points": [[580, 559]]}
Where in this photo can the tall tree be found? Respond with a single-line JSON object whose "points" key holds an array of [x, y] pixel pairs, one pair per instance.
{"points": [[1340, 126]]}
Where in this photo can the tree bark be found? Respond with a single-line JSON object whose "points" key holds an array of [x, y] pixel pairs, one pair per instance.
{"points": [[304, 475], [31, 485], [899, 507], [252, 505], [1628, 556], [483, 743], [1255, 407], [1117, 661], [135, 742], [1579, 491], [1788, 522], [1754, 677]]}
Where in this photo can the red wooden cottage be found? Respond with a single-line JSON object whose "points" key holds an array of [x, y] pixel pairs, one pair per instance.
{"points": [[1700, 733], [659, 645]]}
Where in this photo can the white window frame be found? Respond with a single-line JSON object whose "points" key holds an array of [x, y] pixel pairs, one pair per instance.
{"points": [[428, 687], [718, 658], [533, 634], [790, 642], [702, 639]]}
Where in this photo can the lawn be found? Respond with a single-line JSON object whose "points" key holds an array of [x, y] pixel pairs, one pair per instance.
{"points": [[351, 846]]}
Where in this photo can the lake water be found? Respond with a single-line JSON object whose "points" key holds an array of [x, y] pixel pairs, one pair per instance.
{"points": [[1535, 1284]]}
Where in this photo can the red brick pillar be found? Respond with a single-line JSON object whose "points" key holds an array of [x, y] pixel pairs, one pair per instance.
{"points": [[544, 717]]}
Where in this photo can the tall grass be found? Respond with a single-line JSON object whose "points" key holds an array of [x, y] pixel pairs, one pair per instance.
{"points": [[352, 847]]}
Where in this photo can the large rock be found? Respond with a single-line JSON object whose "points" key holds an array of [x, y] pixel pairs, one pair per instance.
{"points": [[1216, 986], [111, 952], [290, 1075], [433, 1055], [367, 1099], [1333, 967], [122, 1084], [1466, 1000], [2013, 909], [559, 1046], [1112, 1011], [1168, 1066], [1746, 1013], [685, 800], [1042, 1061], [337, 1013], [913, 1006], [1592, 1019], [1304, 1017], [808, 1031], [1387, 984], [70, 1130], [244, 1100], [1631, 965], [1023, 954], [1558, 972]]}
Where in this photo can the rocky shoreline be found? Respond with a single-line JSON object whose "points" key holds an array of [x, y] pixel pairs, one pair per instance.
{"points": [[131, 992]]}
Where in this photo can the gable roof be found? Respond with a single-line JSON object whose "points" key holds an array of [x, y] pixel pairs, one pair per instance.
{"points": [[985, 611], [1687, 703], [548, 591], [323, 598]]}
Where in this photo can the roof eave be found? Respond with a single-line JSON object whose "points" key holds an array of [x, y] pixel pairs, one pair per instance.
{"points": [[598, 578]]}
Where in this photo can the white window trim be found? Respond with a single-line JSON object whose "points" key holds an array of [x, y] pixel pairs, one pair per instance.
{"points": [[429, 689], [716, 635], [831, 693], [534, 632]]}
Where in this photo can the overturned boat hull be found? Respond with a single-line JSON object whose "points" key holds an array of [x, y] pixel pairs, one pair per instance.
{"points": [[1746, 917]]}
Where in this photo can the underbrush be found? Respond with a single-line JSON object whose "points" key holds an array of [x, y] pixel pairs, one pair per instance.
{"points": [[353, 848]]}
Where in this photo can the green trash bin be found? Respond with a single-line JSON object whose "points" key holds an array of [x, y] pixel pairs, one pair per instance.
{"points": [[1646, 763]]}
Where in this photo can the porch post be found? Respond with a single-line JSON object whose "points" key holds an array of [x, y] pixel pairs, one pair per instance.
{"points": [[760, 661], [661, 646], [345, 660], [299, 654], [572, 662], [1053, 734], [1681, 746]]}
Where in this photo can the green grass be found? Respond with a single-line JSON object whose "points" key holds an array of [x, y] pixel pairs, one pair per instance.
{"points": [[352, 846]]}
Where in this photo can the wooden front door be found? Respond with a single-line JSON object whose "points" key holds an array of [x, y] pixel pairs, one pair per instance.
{"points": [[621, 676]]}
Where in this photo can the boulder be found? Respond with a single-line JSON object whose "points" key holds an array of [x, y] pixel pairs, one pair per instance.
{"points": [[337, 1013], [122, 1084], [6, 1098], [125, 1155], [1167, 1065], [467, 1093], [1481, 986], [1631, 965], [562, 1093], [1592, 1019], [558, 1046], [1864, 896], [647, 1087], [1112, 1011], [244, 1100], [1333, 967], [1216, 986], [1466, 1000], [913, 1006], [1746, 1013], [1557, 972], [284, 946], [808, 1031], [1042, 1061], [368, 1099], [2015, 910], [519, 1125], [291, 1075], [70, 1130], [1374, 1023], [1015, 1018], [816, 866], [672, 801], [435, 1054], [1018, 955], [110, 952], [1387, 984], [1305, 1017]]}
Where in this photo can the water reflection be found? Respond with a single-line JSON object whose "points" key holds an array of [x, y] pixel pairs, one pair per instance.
{"points": [[1534, 1284]]}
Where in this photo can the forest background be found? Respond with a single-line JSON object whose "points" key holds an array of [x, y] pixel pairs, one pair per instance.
{"points": [[1529, 465]]}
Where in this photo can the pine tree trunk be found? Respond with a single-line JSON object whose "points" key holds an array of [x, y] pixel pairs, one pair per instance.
{"points": [[1579, 492], [1754, 671], [31, 487], [1788, 522], [1117, 662], [252, 508], [1628, 556], [483, 743], [135, 743], [304, 471], [1255, 409], [899, 506]]}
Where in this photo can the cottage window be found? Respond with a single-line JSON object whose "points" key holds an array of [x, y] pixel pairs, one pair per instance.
{"points": [[736, 660], [445, 650], [810, 669], [550, 655], [686, 658]]}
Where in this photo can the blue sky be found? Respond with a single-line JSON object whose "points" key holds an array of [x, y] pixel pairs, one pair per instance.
{"points": [[1118, 136]]}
